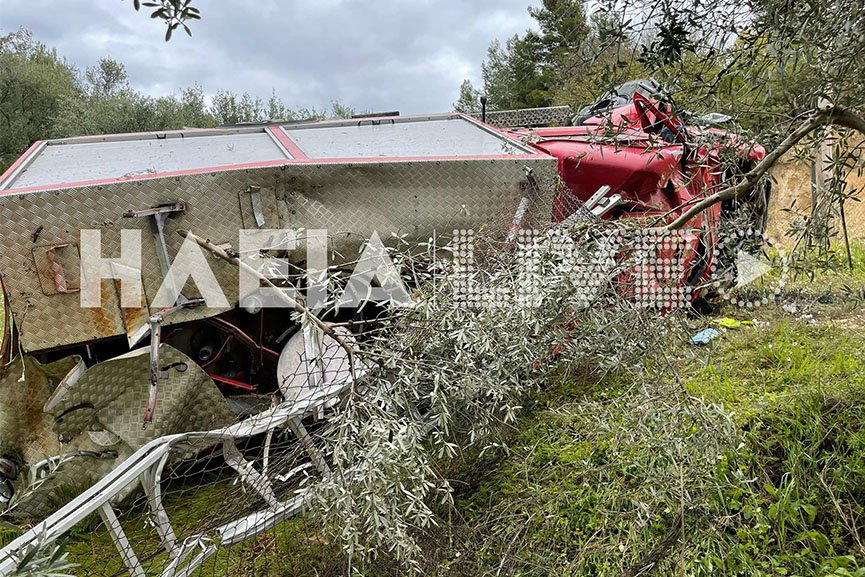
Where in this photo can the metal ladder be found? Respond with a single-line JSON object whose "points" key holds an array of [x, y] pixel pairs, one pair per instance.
{"points": [[146, 466]]}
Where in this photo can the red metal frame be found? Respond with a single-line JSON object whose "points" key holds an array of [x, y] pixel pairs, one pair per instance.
{"points": [[280, 136], [658, 179]]}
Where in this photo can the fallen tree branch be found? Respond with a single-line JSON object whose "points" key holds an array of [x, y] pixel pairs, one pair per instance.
{"points": [[296, 304], [833, 115], [647, 565]]}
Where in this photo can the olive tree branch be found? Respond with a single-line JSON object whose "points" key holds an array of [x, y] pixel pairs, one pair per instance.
{"points": [[832, 115], [295, 303]]}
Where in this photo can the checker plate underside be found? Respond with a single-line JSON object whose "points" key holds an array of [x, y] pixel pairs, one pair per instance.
{"points": [[349, 200]]}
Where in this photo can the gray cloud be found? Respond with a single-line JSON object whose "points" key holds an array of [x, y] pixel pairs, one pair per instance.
{"points": [[408, 55]]}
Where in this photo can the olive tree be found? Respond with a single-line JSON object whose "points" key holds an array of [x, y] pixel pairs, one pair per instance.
{"points": [[789, 71], [34, 83]]}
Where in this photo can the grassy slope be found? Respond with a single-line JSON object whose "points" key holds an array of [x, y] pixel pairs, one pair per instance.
{"points": [[590, 494], [294, 548], [588, 488]]}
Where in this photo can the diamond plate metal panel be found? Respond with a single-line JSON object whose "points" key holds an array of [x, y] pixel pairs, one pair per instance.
{"points": [[113, 395], [57, 217], [100, 414], [529, 117], [349, 200], [412, 198]]}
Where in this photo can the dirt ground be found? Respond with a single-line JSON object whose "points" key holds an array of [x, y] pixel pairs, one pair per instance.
{"points": [[791, 198]]}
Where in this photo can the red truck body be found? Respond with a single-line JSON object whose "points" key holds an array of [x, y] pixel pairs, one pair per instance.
{"points": [[645, 156]]}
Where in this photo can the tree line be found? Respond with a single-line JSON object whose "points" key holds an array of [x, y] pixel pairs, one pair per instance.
{"points": [[43, 96], [566, 61], [763, 62]]}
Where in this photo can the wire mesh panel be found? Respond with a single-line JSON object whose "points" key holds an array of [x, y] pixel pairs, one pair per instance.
{"points": [[167, 507], [531, 117]]}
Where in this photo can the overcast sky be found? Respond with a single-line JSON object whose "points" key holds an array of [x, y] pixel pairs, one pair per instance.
{"points": [[407, 55]]}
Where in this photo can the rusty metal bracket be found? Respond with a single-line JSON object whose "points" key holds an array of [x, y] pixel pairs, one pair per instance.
{"points": [[52, 274], [158, 373], [159, 215], [60, 281]]}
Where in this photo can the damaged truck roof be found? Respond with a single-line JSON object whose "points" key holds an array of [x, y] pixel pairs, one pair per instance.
{"points": [[99, 159]]}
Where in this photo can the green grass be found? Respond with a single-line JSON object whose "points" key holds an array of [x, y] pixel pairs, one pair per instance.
{"points": [[759, 470], [751, 370], [597, 485], [295, 547]]}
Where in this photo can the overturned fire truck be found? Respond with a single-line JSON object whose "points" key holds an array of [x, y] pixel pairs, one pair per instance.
{"points": [[102, 383]]}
